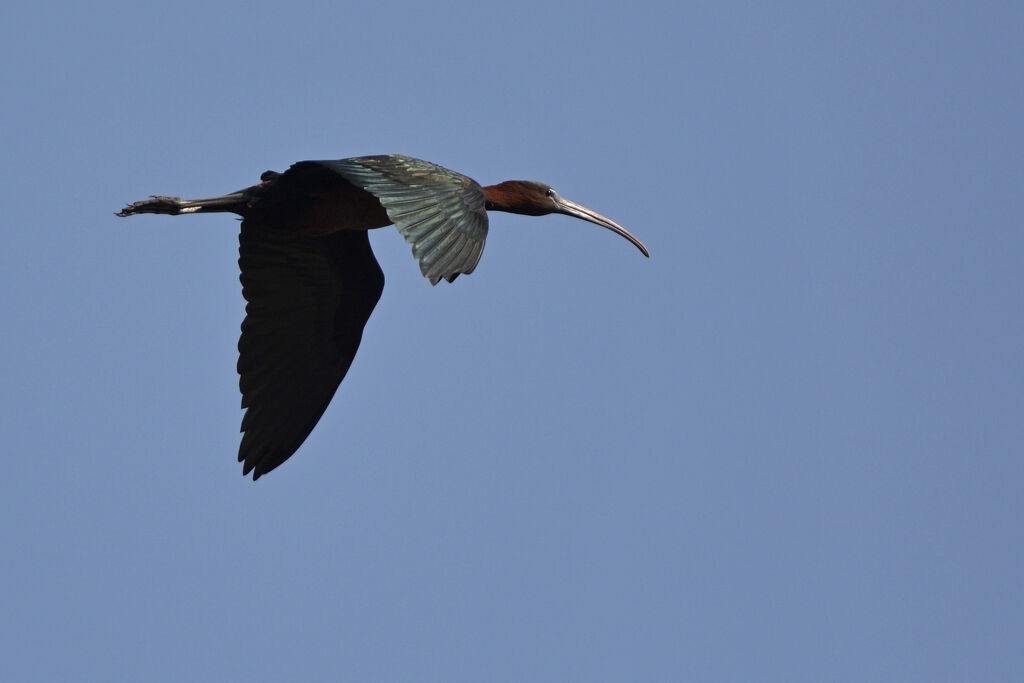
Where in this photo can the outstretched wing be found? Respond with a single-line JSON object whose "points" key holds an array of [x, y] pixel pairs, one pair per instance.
{"points": [[308, 301], [440, 212]]}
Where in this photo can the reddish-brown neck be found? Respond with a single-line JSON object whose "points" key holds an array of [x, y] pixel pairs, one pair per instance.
{"points": [[515, 196]]}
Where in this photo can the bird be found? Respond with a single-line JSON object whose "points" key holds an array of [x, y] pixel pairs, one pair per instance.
{"points": [[311, 281]]}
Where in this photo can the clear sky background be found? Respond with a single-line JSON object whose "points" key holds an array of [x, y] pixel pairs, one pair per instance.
{"points": [[788, 447]]}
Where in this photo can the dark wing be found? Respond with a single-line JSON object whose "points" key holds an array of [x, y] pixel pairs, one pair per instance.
{"points": [[308, 301], [440, 212]]}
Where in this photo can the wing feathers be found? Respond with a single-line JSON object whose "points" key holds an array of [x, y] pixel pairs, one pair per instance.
{"points": [[435, 209], [308, 301]]}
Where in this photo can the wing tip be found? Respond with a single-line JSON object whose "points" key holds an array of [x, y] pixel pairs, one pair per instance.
{"points": [[253, 465]]}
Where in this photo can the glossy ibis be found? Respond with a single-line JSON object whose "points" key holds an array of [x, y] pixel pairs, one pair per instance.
{"points": [[311, 280]]}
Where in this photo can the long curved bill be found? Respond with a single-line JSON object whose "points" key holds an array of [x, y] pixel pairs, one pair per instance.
{"points": [[573, 209]]}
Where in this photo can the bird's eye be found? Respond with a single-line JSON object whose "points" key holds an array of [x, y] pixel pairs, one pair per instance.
{"points": [[550, 192]]}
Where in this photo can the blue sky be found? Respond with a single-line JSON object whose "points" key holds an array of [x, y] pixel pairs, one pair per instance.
{"points": [[785, 448]]}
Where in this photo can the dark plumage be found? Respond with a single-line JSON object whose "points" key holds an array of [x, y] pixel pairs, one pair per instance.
{"points": [[311, 281]]}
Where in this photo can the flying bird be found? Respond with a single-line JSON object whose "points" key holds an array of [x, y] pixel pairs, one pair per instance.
{"points": [[311, 281]]}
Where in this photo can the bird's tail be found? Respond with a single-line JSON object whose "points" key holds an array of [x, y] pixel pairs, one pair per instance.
{"points": [[236, 202]]}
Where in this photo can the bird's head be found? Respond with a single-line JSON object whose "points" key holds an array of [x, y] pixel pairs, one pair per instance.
{"points": [[537, 199]]}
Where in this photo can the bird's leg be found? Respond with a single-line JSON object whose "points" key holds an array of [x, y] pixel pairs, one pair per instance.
{"points": [[235, 202]]}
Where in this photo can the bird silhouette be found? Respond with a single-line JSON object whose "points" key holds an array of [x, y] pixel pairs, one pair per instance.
{"points": [[311, 281]]}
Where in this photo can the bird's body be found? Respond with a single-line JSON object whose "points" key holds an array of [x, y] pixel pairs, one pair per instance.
{"points": [[311, 280]]}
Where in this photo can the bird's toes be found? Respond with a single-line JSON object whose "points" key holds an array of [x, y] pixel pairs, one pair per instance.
{"points": [[155, 204]]}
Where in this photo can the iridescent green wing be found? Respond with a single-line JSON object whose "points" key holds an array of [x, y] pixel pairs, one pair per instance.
{"points": [[439, 212]]}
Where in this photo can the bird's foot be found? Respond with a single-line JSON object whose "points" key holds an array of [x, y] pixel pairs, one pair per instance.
{"points": [[167, 205]]}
